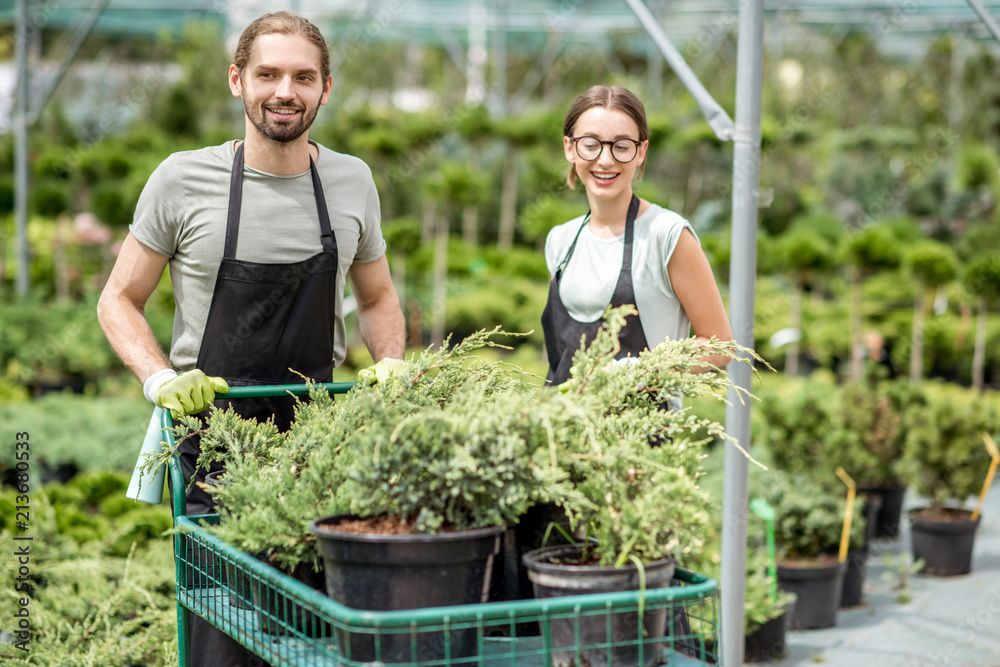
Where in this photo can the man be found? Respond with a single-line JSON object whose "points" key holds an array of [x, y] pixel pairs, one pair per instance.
{"points": [[260, 236]]}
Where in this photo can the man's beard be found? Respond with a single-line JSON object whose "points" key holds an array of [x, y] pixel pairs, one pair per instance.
{"points": [[280, 132]]}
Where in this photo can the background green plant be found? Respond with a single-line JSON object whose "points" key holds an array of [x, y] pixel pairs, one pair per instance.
{"points": [[102, 589], [946, 455]]}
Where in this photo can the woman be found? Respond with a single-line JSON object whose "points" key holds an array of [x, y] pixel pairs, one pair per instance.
{"points": [[625, 250]]}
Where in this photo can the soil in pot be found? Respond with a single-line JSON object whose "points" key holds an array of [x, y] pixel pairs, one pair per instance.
{"points": [[890, 511], [551, 577], [767, 643], [818, 584], [388, 572], [944, 539], [854, 578]]}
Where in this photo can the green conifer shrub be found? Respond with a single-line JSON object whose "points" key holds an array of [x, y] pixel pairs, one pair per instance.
{"points": [[458, 442]]}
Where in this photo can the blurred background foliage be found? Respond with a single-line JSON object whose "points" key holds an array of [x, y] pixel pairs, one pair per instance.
{"points": [[866, 156]]}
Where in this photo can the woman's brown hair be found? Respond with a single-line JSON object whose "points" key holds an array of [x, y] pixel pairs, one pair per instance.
{"points": [[281, 23], [606, 97]]}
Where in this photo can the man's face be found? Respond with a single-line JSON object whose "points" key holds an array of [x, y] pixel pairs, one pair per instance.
{"points": [[282, 86]]}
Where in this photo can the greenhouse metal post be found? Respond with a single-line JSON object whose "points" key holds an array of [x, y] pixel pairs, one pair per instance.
{"points": [[985, 18], [716, 116], [21, 150], [742, 279]]}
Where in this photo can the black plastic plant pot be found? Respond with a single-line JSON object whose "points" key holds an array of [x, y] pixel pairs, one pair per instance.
{"points": [[889, 512], [282, 616], [767, 643], [871, 506], [818, 586], [510, 576], [854, 578], [944, 540], [378, 572], [550, 578], [240, 595]]}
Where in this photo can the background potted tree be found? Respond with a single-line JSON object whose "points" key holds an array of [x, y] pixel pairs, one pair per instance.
{"points": [[868, 441], [947, 462], [808, 526], [768, 612]]}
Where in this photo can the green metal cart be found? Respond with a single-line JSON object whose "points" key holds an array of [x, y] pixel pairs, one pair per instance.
{"points": [[286, 622]]}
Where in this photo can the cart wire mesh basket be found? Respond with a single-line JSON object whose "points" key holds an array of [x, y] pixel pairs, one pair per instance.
{"points": [[288, 620]]}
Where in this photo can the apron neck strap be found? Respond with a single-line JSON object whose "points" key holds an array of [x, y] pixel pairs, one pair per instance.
{"points": [[633, 210], [236, 203]]}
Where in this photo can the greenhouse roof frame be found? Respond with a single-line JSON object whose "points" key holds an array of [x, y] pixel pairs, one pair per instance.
{"points": [[899, 24]]}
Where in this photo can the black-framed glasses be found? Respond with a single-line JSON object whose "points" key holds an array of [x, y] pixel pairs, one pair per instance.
{"points": [[622, 150]]}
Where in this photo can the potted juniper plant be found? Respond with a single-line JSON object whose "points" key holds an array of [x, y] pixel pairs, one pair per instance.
{"points": [[809, 522], [814, 426], [413, 480], [767, 607], [947, 462], [382, 451], [767, 611], [867, 439], [635, 464]]}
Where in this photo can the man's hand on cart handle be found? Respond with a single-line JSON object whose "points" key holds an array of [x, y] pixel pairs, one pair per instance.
{"points": [[382, 371], [184, 394]]}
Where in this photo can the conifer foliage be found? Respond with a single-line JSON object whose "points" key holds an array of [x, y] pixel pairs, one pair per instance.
{"points": [[457, 442]]}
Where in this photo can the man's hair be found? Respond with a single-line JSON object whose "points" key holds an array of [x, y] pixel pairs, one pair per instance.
{"points": [[281, 23], [606, 97]]}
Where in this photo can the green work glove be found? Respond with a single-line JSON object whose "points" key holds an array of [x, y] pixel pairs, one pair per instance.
{"points": [[382, 371], [189, 393]]}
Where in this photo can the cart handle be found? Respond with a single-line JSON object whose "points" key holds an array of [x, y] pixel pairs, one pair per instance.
{"points": [[282, 389]]}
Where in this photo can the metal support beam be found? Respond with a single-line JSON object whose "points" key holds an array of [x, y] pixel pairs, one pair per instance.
{"points": [[20, 127], [716, 116], [25, 117], [986, 19], [82, 32], [742, 281], [539, 68]]}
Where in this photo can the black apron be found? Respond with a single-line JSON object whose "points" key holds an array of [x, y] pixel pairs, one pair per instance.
{"points": [[266, 324], [562, 332]]}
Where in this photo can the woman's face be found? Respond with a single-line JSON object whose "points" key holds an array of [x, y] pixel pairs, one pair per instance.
{"points": [[604, 176]]}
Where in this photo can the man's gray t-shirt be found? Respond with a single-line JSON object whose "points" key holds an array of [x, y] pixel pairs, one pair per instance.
{"points": [[589, 279], [182, 211]]}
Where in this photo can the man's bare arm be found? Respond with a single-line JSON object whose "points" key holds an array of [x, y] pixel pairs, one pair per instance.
{"points": [[121, 308], [379, 315]]}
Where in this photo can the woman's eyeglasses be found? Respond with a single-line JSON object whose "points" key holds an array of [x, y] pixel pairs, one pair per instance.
{"points": [[622, 150]]}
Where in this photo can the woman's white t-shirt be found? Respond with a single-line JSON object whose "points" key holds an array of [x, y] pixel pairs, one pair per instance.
{"points": [[589, 278]]}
